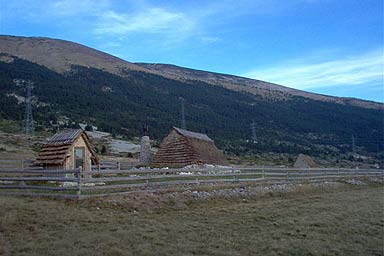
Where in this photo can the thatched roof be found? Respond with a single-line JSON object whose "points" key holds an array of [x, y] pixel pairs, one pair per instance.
{"points": [[193, 135], [57, 149], [182, 147], [304, 161]]}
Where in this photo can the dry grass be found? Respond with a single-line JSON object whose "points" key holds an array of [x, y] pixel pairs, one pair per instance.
{"points": [[347, 220]]}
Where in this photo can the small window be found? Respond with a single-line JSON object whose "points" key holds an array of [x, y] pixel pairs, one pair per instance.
{"points": [[79, 158]]}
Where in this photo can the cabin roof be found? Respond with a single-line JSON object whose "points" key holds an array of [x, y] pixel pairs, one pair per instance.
{"points": [[194, 135], [65, 137]]}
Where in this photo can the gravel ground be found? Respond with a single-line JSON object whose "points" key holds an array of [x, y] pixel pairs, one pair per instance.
{"points": [[248, 191]]}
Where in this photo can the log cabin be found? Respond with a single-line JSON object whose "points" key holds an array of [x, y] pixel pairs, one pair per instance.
{"points": [[68, 150]]}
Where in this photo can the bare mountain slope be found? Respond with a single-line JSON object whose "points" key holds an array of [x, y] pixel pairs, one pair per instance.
{"points": [[59, 55], [250, 85]]}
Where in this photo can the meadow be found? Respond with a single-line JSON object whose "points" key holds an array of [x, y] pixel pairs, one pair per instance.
{"points": [[340, 220]]}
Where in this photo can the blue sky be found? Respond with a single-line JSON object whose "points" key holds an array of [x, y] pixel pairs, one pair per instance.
{"points": [[332, 47]]}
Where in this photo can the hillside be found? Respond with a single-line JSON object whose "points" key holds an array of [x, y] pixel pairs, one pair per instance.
{"points": [[122, 103], [253, 86], [59, 55]]}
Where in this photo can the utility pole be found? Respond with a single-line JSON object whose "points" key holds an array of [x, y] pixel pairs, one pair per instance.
{"points": [[145, 130], [253, 129], [183, 125], [353, 144], [28, 125]]}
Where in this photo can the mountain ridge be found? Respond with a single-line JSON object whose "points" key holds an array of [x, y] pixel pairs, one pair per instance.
{"points": [[59, 55], [122, 105], [64, 54], [253, 85]]}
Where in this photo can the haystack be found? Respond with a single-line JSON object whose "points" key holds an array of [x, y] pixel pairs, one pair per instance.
{"points": [[182, 147], [304, 161]]}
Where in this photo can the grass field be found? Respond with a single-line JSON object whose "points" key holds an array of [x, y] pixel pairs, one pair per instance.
{"points": [[345, 220]]}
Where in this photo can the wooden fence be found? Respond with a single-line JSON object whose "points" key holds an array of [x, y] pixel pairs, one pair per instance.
{"points": [[25, 163], [15, 164], [114, 165], [77, 184]]}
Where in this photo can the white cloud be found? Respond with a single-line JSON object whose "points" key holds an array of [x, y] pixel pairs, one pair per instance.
{"points": [[305, 73], [153, 21], [116, 19]]}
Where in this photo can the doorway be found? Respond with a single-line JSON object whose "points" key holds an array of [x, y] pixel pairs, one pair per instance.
{"points": [[79, 157]]}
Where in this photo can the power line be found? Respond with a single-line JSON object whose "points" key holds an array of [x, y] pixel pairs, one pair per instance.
{"points": [[353, 144], [183, 125], [28, 124], [253, 129]]}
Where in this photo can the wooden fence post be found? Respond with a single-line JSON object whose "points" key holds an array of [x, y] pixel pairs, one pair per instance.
{"points": [[79, 173], [263, 174], [118, 165]]}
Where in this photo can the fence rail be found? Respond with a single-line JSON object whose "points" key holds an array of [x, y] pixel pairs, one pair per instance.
{"points": [[115, 165], [78, 184], [15, 164], [23, 163]]}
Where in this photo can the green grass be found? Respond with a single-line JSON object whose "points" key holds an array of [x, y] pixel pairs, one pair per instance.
{"points": [[341, 221], [10, 126], [182, 178]]}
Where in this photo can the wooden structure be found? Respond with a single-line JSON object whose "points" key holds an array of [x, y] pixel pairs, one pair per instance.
{"points": [[68, 150], [304, 161], [37, 182], [182, 147]]}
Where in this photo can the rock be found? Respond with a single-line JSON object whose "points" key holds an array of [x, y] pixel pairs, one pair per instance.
{"points": [[145, 150], [376, 180], [355, 182]]}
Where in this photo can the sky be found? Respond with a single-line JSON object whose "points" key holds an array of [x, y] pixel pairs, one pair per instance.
{"points": [[332, 47]]}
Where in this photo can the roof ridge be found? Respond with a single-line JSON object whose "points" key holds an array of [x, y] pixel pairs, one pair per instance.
{"points": [[190, 134]]}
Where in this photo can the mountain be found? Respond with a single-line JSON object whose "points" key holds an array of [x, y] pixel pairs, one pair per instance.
{"points": [[253, 86], [60, 55], [74, 83]]}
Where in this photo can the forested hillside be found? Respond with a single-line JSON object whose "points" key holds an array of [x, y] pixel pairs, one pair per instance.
{"points": [[123, 105]]}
